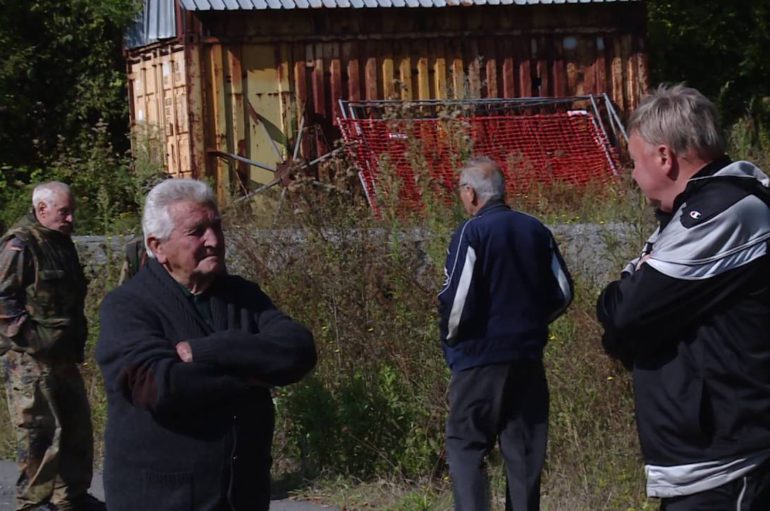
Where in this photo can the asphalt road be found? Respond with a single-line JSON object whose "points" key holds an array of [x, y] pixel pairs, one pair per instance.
{"points": [[8, 477]]}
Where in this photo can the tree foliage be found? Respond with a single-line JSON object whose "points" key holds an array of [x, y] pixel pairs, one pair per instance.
{"points": [[61, 72], [716, 46], [64, 108]]}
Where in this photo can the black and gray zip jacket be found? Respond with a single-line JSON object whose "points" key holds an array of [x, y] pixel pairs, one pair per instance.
{"points": [[693, 321]]}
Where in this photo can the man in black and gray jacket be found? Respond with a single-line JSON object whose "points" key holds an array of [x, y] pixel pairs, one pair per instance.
{"points": [[691, 315]]}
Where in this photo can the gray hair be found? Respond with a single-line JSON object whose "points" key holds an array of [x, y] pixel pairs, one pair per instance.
{"points": [[681, 118], [47, 192], [483, 174], [156, 220]]}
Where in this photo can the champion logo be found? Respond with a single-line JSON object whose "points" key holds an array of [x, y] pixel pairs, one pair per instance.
{"points": [[695, 215]]}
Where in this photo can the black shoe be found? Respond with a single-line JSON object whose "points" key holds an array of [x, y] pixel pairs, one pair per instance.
{"points": [[86, 503], [90, 503]]}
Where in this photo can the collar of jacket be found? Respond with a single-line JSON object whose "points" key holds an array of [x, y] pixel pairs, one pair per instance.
{"points": [[693, 185], [30, 222], [491, 205]]}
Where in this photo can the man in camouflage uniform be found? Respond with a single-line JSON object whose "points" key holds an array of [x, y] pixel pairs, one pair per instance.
{"points": [[135, 258], [42, 333]]}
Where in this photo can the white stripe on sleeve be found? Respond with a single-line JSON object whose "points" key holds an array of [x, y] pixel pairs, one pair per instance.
{"points": [[561, 278], [462, 293]]}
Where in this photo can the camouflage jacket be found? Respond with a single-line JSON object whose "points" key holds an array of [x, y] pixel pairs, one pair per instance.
{"points": [[42, 293]]}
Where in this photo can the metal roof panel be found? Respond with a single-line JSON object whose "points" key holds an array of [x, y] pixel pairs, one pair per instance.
{"points": [[221, 5]]}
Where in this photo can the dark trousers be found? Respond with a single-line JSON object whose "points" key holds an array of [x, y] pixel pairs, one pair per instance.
{"points": [[505, 401], [748, 493]]}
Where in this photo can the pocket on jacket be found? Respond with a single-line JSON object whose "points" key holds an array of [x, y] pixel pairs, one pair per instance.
{"points": [[167, 490], [698, 424]]}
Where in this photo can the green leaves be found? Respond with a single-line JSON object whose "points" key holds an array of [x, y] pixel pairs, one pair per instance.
{"points": [[718, 47], [61, 71]]}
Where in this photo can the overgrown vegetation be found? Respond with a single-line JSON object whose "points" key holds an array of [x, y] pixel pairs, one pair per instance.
{"points": [[374, 409], [64, 108], [366, 430]]}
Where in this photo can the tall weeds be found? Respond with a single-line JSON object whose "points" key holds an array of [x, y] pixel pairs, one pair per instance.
{"points": [[366, 285]]}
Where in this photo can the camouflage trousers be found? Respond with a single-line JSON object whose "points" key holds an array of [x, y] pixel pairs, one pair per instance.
{"points": [[49, 409]]}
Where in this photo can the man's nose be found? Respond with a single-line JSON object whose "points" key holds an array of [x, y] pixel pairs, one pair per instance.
{"points": [[211, 237]]}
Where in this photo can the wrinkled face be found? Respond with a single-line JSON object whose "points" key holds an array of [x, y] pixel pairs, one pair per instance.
{"points": [[651, 169], [58, 214], [195, 251]]}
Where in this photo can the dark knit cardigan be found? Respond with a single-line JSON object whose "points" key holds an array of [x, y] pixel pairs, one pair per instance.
{"points": [[193, 436]]}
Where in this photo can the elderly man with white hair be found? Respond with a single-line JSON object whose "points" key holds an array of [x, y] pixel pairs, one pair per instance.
{"points": [[189, 353], [505, 283], [43, 333]]}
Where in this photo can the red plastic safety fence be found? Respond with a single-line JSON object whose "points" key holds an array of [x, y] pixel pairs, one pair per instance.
{"points": [[534, 149]]}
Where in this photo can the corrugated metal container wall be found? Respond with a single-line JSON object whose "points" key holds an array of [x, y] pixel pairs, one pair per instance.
{"points": [[252, 74], [159, 105]]}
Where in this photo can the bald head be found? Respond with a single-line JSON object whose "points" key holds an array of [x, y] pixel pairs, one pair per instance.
{"points": [[54, 206]]}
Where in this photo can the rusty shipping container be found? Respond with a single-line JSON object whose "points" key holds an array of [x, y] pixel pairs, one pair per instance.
{"points": [[236, 77]]}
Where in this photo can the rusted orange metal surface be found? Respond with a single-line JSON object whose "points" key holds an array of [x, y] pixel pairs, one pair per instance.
{"points": [[238, 82]]}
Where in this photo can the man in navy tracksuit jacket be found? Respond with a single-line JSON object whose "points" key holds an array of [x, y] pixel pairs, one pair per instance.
{"points": [[691, 315], [505, 282]]}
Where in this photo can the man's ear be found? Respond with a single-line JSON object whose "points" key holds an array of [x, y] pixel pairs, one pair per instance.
{"points": [[157, 248], [474, 197], [41, 207], [667, 160]]}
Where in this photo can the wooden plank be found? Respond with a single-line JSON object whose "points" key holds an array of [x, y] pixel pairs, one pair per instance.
{"points": [[300, 79], [154, 97], [219, 118], [459, 90], [642, 64], [600, 66], [332, 57], [585, 54], [490, 65], [404, 71], [631, 78], [370, 71], [171, 98], [423, 70], [180, 94], [474, 70], [439, 69], [558, 68], [197, 117], [570, 44], [300, 91], [616, 70], [167, 98], [542, 66], [389, 77], [286, 97], [350, 60], [237, 111], [509, 65], [523, 66], [319, 89]]}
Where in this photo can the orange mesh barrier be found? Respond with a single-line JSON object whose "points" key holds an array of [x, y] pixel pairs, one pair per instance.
{"points": [[534, 149]]}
